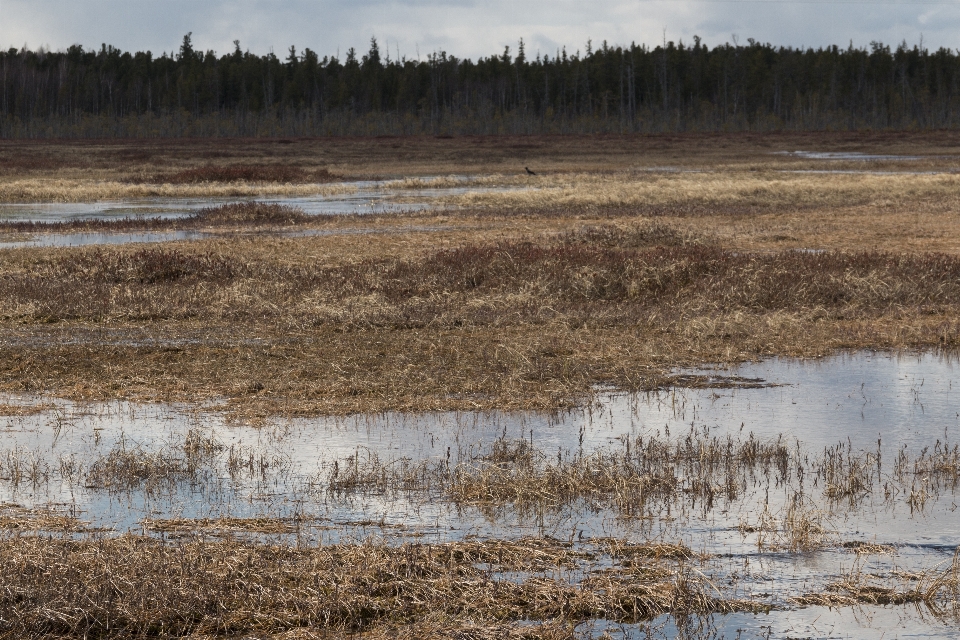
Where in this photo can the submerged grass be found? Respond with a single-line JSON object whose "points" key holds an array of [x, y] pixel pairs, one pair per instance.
{"points": [[938, 588], [18, 519], [234, 215], [647, 478]]}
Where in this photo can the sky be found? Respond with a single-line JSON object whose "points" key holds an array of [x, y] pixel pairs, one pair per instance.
{"points": [[469, 28]]}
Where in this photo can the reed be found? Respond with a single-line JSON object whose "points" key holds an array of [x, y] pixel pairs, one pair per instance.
{"points": [[285, 174], [551, 316], [938, 588], [133, 586]]}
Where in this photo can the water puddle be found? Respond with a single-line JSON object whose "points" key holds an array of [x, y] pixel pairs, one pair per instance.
{"points": [[369, 197], [364, 197], [867, 172], [88, 239], [139, 237], [822, 623], [856, 156], [814, 469]]}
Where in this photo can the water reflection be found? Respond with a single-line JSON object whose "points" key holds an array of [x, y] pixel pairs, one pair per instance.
{"points": [[357, 198], [138, 237], [875, 419], [863, 401], [855, 155]]}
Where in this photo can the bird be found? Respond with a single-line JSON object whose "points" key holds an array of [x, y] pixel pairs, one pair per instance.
{"points": [[529, 173]]}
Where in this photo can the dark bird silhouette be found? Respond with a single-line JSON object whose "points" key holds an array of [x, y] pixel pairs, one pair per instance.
{"points": [[529, 173]]}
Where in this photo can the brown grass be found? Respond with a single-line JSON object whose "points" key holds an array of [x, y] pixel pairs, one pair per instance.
{"points": [[431, 156], [245, 215], [8, 409], [799, 527], [243, 173], [869, 548], [89, 190], [609, 275], [936, 588], [22, 521], [131, 586], [529, 307], [646, 477], [535, 323], [713, 192], [638, 480], [223, 525]]}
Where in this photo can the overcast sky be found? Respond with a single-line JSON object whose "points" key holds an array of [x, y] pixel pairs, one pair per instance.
{"points": [[468, 28]]}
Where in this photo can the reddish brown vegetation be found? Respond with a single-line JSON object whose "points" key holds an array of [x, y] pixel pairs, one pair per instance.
{"points": [[578, 280], [245, 173], [234, 214]]}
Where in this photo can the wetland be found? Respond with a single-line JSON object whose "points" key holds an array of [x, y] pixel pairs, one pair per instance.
{"points": [[670, 385]]}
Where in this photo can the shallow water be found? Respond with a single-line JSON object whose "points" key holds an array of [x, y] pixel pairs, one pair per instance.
{"points": [[854, 399], [861, 402], [854, 155], [869, 172], [140, 237], [368, 197], [862, 623], [88, 239]]}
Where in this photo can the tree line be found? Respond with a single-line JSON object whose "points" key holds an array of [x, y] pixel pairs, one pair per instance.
{"points": [[673, 87]]}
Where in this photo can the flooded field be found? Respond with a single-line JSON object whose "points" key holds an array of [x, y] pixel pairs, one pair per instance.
{"points": [[785, 478], [362, 198], [482, 411], [854, 155], [85, 239], [358, 198]]}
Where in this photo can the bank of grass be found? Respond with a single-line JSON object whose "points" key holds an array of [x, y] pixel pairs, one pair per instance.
{"points": [[76, 189], [280, 173], [134, 587], [530, 322], [706, 192], [245, 216], [938, 588]]}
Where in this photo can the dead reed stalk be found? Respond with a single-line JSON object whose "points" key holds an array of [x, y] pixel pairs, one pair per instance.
{"points": [[134, 587]]}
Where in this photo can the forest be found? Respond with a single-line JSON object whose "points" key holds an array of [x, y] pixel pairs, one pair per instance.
{"points": [[673, 87]]}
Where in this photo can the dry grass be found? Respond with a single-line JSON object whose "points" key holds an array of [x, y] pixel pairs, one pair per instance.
{"points": [[529, 307], [526, 324], [644, 478], [797, 528], [431, 156], [20, 520], [223, 525], [869, 548], [648, 477], [249, 213], [249, 216], [710, 193], [607, 274], [243, 173], [200, 459], [131, 586], [80, 190], [936, 588], [8, 409]]}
